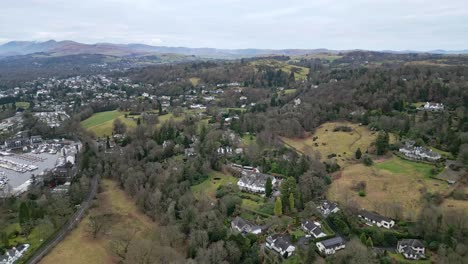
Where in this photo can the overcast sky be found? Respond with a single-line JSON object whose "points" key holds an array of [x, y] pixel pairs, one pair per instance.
{"points": [[347, 24]]}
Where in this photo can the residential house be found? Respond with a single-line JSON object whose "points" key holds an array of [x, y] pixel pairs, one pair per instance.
{"points": [[330, 246], [12, 255], [281, 244], [433, 106], [327, 208], [313, 228], [411, 248], [419, 153], [254, 182], [243, 226], [372, 218]]}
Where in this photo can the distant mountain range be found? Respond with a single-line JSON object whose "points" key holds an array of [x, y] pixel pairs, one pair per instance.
{"points": [[67, 47]]}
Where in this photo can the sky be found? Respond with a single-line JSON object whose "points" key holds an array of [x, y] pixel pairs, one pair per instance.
{"points": [[347, 24]]}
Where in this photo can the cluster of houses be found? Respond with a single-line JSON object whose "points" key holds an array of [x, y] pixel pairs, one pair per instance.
{"points": [[418, 153], [14, 254]]}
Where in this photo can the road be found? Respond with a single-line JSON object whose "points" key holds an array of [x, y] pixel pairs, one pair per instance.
{"points": [[67, 227]]}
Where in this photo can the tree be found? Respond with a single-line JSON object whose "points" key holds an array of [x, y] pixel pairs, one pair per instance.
{"points": [[367, 160], [382, 143], [121, 240], [278, 207], [358, 153], [4, 239], [363, 238], [97, 224], [24, 215], [268, 187], [119, 127], [291, 201], [369, 242]]}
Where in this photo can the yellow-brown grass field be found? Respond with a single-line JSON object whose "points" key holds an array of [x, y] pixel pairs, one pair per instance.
{"points": [[79, 247], [394, 187], [343, 144]]}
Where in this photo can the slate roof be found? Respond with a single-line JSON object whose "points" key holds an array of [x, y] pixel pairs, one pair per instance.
{"points": [[374, 216], [241, 223], [283, 241], [333, 242], [411, 242], [312, 227], [255, 179]]}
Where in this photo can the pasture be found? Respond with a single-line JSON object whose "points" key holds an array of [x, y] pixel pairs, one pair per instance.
{"points": [[300, 72], [79, 247], [394, 187], [101, 124], [329, 143]]}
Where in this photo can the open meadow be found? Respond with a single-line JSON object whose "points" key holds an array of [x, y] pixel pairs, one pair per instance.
{"points": [[102, 123], [394, 187], [79, 246], [328, 143]]}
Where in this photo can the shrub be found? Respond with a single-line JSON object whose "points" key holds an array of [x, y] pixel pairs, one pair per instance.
{"points": [[362, 193], [367, 160]]}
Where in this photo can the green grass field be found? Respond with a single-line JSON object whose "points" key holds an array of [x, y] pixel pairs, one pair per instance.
{"points": [[289, 91], [24, 105], [102, 123], [401, 166], [210, 185], [247, 140]]}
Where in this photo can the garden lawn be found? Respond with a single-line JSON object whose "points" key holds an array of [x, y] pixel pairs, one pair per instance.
{"points": [[210, 185]]}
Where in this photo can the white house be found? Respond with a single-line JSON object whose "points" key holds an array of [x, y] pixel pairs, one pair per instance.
{"points": [[313, 228], [375, 219], [327, 208], [330, 246], [243, 226], [411, 248], [433, 106], [281, 244], [12, 255], [254, 182]]}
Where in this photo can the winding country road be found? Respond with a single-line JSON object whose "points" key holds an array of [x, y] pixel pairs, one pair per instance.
{"points": [[67, 227]]}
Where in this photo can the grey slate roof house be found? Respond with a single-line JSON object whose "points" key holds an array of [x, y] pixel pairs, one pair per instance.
{"points": [[281, 244], [327, 207], [313, 228], [243, 226], [411, 248], [372, 218], [254, 182], [330, 246]]}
